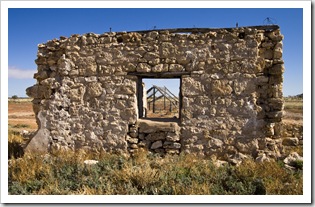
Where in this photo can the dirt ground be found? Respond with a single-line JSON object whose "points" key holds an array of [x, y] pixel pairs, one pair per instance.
{"points": [[21, 116], [161, 112]]}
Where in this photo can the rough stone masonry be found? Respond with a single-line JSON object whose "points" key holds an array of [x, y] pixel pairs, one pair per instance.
{"points": [[88, 92]]}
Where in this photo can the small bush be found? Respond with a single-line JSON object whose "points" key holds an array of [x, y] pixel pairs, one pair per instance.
{"points": [[298, 164], [21, 126], [15, 142]]}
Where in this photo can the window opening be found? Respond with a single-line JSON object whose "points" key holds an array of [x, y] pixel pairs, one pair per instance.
{"points": [[161, 99]]}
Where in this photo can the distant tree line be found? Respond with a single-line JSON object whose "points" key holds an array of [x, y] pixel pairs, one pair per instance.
{"points": [[299, 96]]}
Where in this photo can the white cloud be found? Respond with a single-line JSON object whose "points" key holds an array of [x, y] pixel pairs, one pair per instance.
{"points": [[20, 73]]}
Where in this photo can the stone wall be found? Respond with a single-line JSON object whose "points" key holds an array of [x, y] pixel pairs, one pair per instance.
{"points": [[87, 91]]}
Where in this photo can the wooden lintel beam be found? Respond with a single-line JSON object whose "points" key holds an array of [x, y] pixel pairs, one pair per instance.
{"points": [[159, 75]]}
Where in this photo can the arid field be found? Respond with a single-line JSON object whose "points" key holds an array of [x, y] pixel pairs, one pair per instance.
{"points": [[21, 115]]}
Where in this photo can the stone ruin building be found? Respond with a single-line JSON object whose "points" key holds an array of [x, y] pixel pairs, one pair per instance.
{"points": [[89, 92]]}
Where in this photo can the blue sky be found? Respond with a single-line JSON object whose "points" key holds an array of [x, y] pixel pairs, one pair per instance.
{"points": [[29, 27]]}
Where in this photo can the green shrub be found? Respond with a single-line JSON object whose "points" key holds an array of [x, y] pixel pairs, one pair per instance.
{"points": [[298, 164], [21, 126]]}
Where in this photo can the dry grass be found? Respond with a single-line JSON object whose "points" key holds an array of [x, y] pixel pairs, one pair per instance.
{"points": [[15, 142], [293, 106], [145, 174], [293, 111]]}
